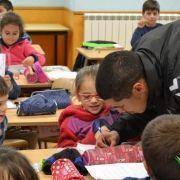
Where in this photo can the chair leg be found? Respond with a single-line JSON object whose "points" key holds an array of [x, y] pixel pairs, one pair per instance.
{"points": [[39, 144], [45, 145]]}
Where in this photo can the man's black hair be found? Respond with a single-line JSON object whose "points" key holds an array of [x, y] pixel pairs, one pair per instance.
{"points": [[117, 75]]}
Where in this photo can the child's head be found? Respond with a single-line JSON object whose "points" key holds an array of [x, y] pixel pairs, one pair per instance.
{"points": [[11, 27], [4, 90], [5, 6], [86, 90], [150, 11], [161, 145], [15, 166]]}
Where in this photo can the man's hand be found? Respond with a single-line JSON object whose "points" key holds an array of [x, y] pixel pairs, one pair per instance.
{"points": [[29, 61], [106, 137]]}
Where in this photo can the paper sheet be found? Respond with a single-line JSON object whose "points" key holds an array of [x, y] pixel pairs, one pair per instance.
{"points": [[16, 69], [61, 74], [83, 147], [2, 64], [55, 68], [117, 171], [11, 105]]}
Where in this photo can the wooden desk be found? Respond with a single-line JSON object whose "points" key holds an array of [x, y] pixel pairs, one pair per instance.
{"points": [[96, 54], [34, 156], [50, 29], [23, 83], [41, 120]]}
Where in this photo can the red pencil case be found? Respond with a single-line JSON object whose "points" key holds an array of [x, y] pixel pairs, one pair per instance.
{"points": [[64, 169], [117, 154]]}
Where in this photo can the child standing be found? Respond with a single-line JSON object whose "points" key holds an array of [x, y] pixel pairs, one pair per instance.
{"points": [[150, 14], [75, 121], [4, 90], [14, 44]]}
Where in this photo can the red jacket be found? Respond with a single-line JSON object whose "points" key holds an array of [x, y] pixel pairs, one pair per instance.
{"points": [[17, 52], [76, 125]]}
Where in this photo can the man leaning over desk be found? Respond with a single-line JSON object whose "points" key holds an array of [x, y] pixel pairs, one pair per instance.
{"points": [[142, 83]]}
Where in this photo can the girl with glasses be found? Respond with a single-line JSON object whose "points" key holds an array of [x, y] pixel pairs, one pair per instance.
{"points": [[76, 121]]}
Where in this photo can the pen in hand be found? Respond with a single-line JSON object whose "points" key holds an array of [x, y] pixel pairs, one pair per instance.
{"points": [[104, 139]]}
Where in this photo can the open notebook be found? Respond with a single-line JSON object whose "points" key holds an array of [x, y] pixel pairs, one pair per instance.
{"points": [[117, 171]]}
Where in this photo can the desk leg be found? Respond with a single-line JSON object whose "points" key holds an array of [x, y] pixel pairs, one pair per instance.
{"points": [[55, 49], [85, 62]]}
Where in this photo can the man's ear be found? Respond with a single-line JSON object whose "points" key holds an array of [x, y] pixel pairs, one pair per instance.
{"points": [[139, 87]]}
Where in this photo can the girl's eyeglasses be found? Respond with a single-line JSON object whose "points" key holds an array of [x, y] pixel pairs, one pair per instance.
{"points": [[88, 97]]}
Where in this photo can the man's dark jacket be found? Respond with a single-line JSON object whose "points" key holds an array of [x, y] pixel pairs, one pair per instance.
{"points": [[159, 52]]}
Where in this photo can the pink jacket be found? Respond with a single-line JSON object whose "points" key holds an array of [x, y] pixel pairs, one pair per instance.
{"points": [[17, 52]]}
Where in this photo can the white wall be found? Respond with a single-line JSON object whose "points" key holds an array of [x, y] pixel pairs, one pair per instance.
{"points": [[43, 3], [98, 5], [166, 5]]}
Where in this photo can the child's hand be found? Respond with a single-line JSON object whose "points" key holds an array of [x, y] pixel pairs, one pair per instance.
{"points": [[29, 61], [142, 22], [8, 81], [100, 138]]}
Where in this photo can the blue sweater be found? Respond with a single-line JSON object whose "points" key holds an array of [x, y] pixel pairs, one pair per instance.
{"points": [[139, 32]]}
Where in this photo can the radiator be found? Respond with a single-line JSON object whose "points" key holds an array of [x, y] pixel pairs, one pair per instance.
{"points": [[116, 27]]}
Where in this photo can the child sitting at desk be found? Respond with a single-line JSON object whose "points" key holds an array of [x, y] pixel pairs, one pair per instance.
{"points": [[161, 148], [14, 89], [5, 6], [14, 165], [4, 90], [75, 121], [14, 44], [150, 13]]}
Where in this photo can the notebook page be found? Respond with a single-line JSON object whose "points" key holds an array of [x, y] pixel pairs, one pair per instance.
{"points": [[117, 171], [11, 105], [2, 64], [61, 74], [84, 147]]}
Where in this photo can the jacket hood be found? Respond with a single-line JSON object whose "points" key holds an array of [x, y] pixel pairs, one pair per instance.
{"points": [[79, 112]]}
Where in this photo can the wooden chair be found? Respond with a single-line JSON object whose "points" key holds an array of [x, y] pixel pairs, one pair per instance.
{"points": [[16, 143], [51, 139], [63, 83]]}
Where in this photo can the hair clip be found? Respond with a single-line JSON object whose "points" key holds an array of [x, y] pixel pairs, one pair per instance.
{"points": [[177, 158]]}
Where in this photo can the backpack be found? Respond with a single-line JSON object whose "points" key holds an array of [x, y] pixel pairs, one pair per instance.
{"points": [[37, 105], [60, 96]]}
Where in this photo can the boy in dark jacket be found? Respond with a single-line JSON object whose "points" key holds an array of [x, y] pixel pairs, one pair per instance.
{"points": [[148, 22], [142, 84]]}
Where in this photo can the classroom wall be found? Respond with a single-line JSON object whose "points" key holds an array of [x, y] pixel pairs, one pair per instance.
{"points": [[121, 5], [40, 3], [97, 5], [70, 13]]}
